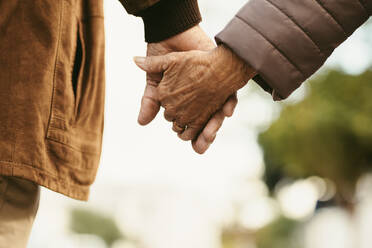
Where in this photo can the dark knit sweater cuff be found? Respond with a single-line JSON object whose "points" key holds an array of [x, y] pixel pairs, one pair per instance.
{"points": [[168, 18]]}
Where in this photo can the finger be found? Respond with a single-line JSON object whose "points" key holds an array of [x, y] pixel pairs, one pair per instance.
{"points": [[208, 135], [178, 128], [200, 145], [213, 125], [190, 133], [229, 107], [150, 105], [169, 115], [149, 109], [154, 64]]}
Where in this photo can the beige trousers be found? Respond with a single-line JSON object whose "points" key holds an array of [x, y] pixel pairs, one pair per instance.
{"points": [[19, 202]]}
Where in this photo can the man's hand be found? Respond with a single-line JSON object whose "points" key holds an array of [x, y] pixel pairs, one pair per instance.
{"points": [[192, 39], [195, 85]]}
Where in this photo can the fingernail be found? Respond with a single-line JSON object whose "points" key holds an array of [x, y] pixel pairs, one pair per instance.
{"points": [[139, 60]]}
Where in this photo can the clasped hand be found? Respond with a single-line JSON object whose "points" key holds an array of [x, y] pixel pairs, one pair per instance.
{"points": [[196, 88]]}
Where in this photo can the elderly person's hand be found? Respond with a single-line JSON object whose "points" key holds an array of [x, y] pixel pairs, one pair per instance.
{"points": [[195, 85], [192, 39]]}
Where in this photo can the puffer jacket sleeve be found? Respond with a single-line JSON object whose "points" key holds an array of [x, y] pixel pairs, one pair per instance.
{"points": [[164, 18], [286, 41]]}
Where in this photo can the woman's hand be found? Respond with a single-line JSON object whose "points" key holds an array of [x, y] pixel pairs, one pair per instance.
{"points": [[195, 85]]}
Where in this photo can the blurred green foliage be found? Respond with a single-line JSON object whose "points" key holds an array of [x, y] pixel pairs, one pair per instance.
{"points": [[236, 236], [281, 233], [328, 134], [94, 223]]}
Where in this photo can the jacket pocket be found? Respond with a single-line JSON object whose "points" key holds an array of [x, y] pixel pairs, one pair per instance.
{"points": [[77, 107]]}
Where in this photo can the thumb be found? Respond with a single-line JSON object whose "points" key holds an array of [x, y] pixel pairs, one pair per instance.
{"points": [[155, 64], [149, 105]]}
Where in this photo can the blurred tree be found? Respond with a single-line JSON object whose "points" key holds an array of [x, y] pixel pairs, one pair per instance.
{"points": [[328, 134], [282, 233], [89, 222], [235, 236]]}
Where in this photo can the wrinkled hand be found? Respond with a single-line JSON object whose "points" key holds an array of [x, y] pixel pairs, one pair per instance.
{"points": [[192, 39], [195, 85]]}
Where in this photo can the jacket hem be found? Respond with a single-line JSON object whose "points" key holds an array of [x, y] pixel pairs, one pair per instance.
{"points": [[28, 172]]}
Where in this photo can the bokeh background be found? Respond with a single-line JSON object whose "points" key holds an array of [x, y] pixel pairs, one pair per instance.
{"points": [[293, 174]]}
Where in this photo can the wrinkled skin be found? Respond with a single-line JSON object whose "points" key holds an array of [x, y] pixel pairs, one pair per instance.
{"points": [[195, 85], [192, 39]]}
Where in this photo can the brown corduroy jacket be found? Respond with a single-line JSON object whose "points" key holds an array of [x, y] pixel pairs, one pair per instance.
{"points": [[52, 84]]}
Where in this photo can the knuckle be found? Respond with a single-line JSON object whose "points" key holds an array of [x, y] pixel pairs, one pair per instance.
{"points": [[162, 93], [172, 57], [168, 115], [189, 134], [182, 119], [183, 136], [180, 122], [176, 128]]}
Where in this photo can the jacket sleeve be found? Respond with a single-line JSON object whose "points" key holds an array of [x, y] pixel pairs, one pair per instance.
{"points": [[164, 18], [287, 41], [135, 6]]}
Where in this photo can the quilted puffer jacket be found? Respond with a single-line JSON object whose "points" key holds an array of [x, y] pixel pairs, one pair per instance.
{"points": [[286, 41]]}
